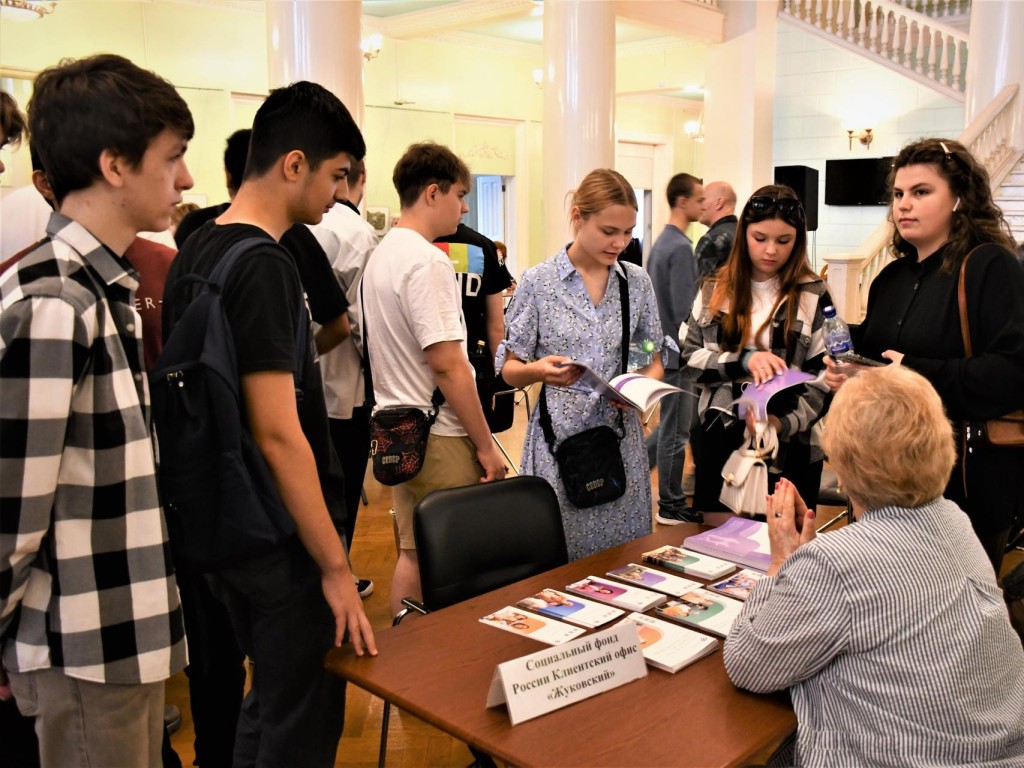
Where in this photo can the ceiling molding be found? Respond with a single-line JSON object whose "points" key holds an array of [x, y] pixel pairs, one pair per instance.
{"points": [[687, 18], [663, 100], [488, 44], [448, 18], [243, 6], [658, 45]]}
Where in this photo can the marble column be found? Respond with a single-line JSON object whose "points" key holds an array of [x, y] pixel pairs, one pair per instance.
{"points": [[317, 41], [995, 58], [738, 102], [579, 106]]}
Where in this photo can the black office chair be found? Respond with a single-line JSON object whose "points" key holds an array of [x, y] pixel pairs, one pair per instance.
{"points": [[831, 494], [476, 538]]}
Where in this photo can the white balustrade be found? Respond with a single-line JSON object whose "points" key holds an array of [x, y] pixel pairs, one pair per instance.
{"points": [[904, 33]]}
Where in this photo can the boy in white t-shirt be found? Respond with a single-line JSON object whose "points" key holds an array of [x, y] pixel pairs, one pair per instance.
{"points": [[417, 340]]}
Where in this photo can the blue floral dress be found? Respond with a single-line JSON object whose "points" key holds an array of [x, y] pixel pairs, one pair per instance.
{"points": [[552, 314]]}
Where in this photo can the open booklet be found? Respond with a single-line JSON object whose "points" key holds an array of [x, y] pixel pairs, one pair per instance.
{"points": [[757, 396], [630, 389]]}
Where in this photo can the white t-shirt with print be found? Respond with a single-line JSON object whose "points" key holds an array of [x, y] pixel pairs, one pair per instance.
{"points": [[410, 301]]}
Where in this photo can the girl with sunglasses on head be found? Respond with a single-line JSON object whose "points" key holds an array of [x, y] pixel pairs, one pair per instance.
{"points": [[942, 211], [759, 315]]}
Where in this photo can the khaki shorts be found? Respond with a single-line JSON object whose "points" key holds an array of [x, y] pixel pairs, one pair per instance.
{"points": [[450, 462]]}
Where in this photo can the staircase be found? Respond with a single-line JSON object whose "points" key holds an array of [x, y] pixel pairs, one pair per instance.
{"points": [[925, 40], [905, 36], [1010, 197]]}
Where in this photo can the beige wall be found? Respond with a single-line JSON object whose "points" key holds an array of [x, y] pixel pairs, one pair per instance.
{"points": [[217, 59]]}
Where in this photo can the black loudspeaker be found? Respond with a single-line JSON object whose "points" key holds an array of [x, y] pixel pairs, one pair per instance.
{"points": [[804, 182]]}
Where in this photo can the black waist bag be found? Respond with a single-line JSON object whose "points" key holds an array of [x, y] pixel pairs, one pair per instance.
{"points": [[398, 443], [590, 464]]}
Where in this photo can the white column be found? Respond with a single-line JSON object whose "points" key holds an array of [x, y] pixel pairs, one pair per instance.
{"points": [[995, 56], [739, 91], [579, 106], [317, 41]]}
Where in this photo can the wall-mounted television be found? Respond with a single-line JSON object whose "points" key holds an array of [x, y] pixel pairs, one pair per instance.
{"points": [[857, 182]]}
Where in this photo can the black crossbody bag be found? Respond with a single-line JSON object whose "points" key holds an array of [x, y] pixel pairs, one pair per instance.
{"points": [[590, 462], [398, 435]]}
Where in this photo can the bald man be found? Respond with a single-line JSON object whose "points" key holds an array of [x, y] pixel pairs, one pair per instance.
{"points": [[719, 215]]}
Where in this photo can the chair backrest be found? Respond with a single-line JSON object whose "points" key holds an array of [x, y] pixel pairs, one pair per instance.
{"points": [[473, 539]]}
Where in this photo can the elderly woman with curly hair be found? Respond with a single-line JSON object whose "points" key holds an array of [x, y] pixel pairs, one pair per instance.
{"points": [[890, 634]]}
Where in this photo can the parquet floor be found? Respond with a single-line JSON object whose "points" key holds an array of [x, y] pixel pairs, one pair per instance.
{"points": [[412, 743]]}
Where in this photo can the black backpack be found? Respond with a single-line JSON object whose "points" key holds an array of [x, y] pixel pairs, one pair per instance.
{"points": [[220, 499]]}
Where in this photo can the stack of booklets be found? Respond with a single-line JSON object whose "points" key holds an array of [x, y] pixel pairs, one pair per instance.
{"points": [[667, 646], [619, 595], [740, 540], [651, 579], [702, 609], [738, 585], [529, 625], [558, 605], [676, 559]]}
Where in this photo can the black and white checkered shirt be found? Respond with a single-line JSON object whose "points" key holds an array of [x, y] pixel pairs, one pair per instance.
{"points": [[86, 582]]}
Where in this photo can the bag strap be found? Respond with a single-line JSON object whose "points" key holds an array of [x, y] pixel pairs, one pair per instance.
{"points": [[545, 416], [219, 276], [965, 332], [436, 399], [961, 297]]}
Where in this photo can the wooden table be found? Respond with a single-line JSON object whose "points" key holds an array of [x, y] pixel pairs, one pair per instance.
{"points": [[439, 668]]}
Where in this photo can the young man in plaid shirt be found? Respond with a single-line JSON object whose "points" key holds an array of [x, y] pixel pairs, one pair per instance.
{"points": [[90, 623]]}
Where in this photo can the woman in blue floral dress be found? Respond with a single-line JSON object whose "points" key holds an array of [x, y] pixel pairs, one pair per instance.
{"points": [[569, 309]]}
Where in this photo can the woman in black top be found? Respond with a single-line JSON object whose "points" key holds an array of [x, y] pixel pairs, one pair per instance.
{"points": [[942, 210]]}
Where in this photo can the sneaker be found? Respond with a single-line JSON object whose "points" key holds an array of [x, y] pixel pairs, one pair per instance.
{"points": [[172, 718], [678, 518], [364, 587]]}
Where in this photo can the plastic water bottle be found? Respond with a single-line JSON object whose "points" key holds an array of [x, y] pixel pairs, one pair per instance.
{"points": [[640, 354], [836, 332]]}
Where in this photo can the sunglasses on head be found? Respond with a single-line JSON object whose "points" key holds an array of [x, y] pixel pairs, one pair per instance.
{"points": [[786, 206]]}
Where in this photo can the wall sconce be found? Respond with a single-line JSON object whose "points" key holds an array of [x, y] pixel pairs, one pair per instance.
{"points": [[371, 46], [26, 10], [865, 137], [694, 130], [538, 78]]}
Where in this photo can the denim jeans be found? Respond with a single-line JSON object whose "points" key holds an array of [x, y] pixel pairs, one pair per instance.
{"points": [[669, 443]]}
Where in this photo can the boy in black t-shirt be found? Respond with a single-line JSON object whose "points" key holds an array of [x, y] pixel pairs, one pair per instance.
{"points": [[289, 607]]}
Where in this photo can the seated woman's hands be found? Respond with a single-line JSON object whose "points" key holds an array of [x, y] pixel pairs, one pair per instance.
{"points": [[790, 523], [764, 366]]}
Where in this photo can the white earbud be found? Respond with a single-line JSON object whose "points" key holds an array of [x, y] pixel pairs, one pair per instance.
{"points": [[956, 204]]}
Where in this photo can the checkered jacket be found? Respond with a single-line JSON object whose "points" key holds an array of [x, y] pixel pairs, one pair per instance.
{"points": [[86, 582], [721, 374]]}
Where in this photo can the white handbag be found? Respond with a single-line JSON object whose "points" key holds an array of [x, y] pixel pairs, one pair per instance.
{"points": [[745, 474]]}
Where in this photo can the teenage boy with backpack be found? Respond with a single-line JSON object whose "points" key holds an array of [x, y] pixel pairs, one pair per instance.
{"points": [[292, 603], [90, 621]]}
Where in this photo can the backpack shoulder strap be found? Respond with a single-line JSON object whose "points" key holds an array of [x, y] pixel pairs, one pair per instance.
{"points": [[220, 275]]}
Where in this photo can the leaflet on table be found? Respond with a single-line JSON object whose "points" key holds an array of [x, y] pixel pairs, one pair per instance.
{"points": [[739, 540], [632, 389], [559, 605], [758, 395], [703, 609], [619, 595], [652, 579], [738, 585], [667, 646], [676, 559], [546, 631]]}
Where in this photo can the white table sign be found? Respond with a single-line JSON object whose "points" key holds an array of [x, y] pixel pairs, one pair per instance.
{"points": [[556, 677]]}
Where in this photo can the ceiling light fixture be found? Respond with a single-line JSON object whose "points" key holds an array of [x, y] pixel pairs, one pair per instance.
{"points": [[26, 10]]}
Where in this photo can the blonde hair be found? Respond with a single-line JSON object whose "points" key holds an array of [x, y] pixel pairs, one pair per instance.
{"points": [[600, 189], [888, 438]]}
